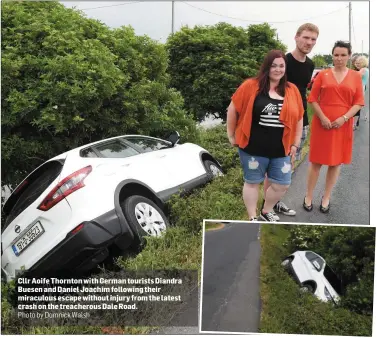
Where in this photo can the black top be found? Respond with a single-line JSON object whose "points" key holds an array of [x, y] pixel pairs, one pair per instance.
{"points": [[266, 133], [300, 73]]}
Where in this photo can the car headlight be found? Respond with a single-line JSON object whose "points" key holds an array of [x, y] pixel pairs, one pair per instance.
{"points": [[328, 296]]}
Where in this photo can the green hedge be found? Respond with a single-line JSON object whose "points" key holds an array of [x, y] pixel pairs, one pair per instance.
{"points": [[221, 199], [215, 140]]}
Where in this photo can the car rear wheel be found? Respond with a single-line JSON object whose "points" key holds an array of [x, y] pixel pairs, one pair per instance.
{"points": [[286, 263], [307, 288], [145, 217], [213, 169]]}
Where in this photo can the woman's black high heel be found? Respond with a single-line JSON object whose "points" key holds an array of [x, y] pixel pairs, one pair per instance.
{"points": [[323, 209], [307, 207]]}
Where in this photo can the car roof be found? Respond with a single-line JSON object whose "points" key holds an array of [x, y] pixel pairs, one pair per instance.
{"points": [[76, 150]]}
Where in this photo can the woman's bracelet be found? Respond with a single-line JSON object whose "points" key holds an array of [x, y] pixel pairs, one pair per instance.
{"points": [[293, 145]]}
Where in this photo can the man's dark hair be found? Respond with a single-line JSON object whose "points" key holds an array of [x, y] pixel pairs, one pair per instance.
{"points": [[342, 44]]}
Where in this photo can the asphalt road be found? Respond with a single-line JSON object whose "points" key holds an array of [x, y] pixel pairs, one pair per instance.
{"points": [[351, 195], [231, 301]]}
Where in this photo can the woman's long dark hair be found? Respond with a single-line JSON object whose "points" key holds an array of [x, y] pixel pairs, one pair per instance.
{"points": [[263, 75]]}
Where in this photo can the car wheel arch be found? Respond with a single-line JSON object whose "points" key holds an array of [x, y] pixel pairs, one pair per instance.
{"points": [[312, 283], [125, 189], [291, 257], [131, 187], [204, 156]]}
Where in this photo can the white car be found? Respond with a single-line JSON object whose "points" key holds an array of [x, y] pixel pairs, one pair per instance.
{"points": [[314, 275], [68, 213]]}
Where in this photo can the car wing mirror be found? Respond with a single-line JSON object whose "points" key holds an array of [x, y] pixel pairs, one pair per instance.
{"points": [[174, 138]]}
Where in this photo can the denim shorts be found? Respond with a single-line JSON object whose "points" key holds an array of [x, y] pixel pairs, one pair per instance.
{"points": [[279, 170], [304, 135]]}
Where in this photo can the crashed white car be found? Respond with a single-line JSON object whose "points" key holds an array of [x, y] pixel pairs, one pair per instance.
{"points": [[314, 275], [73, 209]]}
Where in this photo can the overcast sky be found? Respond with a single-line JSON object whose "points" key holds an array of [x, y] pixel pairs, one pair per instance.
{"points": [[154, 18]]}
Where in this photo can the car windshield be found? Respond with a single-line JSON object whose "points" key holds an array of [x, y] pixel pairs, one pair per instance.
{"points": [[333, 279]]}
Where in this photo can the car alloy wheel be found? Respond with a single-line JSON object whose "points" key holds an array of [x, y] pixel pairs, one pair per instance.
{"points": [[150, 220]]}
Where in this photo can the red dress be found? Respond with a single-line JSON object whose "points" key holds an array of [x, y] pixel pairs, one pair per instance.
{"points": [[334, 146]]}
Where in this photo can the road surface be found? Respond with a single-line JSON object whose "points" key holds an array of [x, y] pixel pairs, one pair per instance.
{"points": [[231, 301], [351, 195]]}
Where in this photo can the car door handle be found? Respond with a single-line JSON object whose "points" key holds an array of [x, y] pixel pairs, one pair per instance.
{"points": [[161, 156]]}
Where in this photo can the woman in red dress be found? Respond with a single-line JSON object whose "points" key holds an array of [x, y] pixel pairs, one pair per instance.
{"points": [[336, 96]]}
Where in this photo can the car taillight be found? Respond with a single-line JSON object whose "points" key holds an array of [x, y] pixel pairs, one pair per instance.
{"points": [[65, 187], [77, 229]]}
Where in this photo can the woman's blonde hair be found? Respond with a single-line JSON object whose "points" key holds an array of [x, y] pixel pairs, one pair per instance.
{"points": [[363, 61]]}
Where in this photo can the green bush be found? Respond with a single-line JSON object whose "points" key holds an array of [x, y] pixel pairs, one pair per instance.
{"points": [[304, 237], [6, 307], [178, 249], [215, 140], [208, 63], [68, 80], [221, 199]]}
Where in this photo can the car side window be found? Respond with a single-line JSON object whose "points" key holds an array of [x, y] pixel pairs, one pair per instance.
{"points": [[148, 144], [312, 257], [89, 152], [116, 149]]}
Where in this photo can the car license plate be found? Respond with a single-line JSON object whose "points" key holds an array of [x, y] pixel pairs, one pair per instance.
{"points": [[30, 236]]}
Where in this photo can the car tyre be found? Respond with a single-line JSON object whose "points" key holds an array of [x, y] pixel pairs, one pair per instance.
{"points": [[307, 288], [286, 263], [145, 218], [213, 169]]}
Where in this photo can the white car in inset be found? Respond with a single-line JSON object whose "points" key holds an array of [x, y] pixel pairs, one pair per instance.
{"points": [[68, 213], [314, 275]]}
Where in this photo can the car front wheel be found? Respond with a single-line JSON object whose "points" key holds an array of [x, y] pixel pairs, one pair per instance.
{"points": [[145, 217], [213, 169], [307, 288]]}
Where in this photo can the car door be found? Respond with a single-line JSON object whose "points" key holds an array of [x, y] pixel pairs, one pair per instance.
{"points": [[182, 163], [162, 153], [314, 272]]}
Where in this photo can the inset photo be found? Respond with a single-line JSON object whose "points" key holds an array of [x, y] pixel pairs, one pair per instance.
{"points": [[287, 278]]}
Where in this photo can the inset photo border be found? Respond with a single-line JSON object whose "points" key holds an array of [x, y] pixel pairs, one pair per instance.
{"points": [[287, 278]]}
